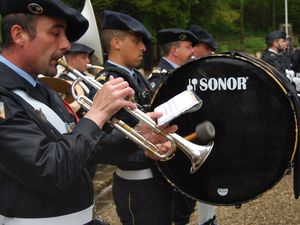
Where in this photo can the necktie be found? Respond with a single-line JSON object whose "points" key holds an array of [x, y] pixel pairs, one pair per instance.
{"points": [[136, 77], [42, 92]]}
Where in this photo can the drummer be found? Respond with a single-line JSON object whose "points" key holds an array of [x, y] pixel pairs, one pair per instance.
{"points": [[176, 48], [78, 57], [205, 46]]}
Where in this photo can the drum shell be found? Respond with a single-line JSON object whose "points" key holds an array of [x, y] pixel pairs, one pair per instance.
{"points": [[254, 112]]}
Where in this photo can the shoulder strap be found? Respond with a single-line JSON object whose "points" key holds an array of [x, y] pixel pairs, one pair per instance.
{"points": [[45, 126]]}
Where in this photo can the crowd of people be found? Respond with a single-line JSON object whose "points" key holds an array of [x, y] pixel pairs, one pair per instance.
{"points": [[49, 153]]}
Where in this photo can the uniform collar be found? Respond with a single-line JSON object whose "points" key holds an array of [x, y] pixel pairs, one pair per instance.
{"points": [[272, 50], [175, 66], [18, 71], [12, 80], [130, 71]]}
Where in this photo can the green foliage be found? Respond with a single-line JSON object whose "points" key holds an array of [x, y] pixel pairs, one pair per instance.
{"points": [[251, 44], [244, 22]]}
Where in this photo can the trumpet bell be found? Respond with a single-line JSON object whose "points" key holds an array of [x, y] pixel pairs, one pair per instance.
{"points": [[62, 87], [197, 154]]}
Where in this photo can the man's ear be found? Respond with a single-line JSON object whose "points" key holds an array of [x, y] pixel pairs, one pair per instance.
{"points": [[174, 50], [115, 43], [18, 35]]}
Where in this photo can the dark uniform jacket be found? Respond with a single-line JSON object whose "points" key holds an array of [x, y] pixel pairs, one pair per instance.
{"points": [[296, 60], [159, 74], [275, 60], [42, 172], [143, 95]]}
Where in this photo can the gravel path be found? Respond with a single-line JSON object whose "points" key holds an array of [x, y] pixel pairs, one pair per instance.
{"points": [[275, 207]]}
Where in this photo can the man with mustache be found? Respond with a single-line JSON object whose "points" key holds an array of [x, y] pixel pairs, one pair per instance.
{"points": [[46, 155]]}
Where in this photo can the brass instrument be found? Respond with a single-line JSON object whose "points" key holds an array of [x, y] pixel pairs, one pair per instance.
{"points": [[197, 154], [95, 69], [62, 87]]}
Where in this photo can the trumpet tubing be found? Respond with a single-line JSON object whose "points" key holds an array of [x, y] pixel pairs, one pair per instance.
{"points": [[94, 69], [197, 154], [90, 66]]}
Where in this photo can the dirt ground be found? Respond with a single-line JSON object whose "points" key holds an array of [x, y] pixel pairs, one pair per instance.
{"points": [[275, 207]]}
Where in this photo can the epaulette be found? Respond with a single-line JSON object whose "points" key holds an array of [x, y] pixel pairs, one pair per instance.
{"points": [[102, 77], [156, 70]]}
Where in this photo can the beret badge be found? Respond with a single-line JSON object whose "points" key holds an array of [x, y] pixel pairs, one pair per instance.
{"points": [[182, 37], [35, 8]]}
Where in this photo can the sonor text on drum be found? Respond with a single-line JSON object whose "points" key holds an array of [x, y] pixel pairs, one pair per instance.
{"points": [[214, 84]]}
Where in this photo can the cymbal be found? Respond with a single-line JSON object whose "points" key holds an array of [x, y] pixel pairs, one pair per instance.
{"points": [[62, 87]]}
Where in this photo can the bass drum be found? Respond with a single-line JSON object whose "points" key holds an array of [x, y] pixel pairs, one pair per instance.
{"points": [[253, 110]]}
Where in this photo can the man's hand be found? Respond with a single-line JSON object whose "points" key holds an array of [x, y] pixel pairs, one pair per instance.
{"points": [[109, 100], [162, 144]]}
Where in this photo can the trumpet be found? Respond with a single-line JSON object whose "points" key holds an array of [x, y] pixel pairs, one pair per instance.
{"points": [[197, 154], [94, 69]]}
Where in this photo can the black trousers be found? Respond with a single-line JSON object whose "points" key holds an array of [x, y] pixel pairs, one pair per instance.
{"points": [[183, 208], [142, 202]]}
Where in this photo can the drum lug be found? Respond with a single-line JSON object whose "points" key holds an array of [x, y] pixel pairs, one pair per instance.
{"points": [[238, 206]]}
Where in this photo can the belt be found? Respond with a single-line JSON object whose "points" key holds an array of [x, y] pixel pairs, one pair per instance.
{"points": [[134, 174], [78, 218]]}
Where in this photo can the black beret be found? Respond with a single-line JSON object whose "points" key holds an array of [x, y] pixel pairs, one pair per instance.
{"points": [[165, 36], [79, 48], [276, 35], [119, 21], [203, 36], [77, 24]]}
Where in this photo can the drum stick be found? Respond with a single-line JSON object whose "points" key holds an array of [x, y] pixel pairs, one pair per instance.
{"points": [[191, 136], [205, 132]]}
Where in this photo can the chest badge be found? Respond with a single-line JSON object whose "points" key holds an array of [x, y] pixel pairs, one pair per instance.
{"points": [[40, 114]]}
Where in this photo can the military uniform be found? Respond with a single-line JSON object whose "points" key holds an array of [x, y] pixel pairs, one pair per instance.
{"points": [[45, 160], [274, 59], [183, 206], [160, 73], [139, 199], [49, 192], [65, 75]]}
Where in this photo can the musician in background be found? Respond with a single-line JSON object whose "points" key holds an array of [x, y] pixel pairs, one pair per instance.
{"points": [[176, 49], [276, 44], [139, 199], [78, 57], [176, 46], [205, 46]]}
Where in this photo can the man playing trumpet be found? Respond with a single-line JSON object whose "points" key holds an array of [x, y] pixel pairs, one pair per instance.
{"points": [[45, 156]]}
